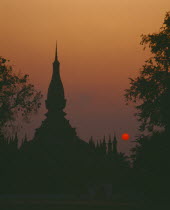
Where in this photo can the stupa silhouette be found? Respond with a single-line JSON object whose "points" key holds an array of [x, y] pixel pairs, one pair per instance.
{"points": [[56, 129]]}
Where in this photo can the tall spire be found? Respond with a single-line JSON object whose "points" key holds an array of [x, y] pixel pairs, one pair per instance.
{"points": [[56, 54], [115, 144], [115, 139], [55, 97], [109, 146], [56, 128]]}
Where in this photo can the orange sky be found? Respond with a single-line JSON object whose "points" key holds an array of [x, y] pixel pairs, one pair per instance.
{"points": [[99, 49]]}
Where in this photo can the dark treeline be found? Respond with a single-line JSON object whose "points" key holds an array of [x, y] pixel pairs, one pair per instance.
{"points": [[38, 167]]}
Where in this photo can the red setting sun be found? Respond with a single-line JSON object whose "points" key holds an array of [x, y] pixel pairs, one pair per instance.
{"points": [[125, 136]]}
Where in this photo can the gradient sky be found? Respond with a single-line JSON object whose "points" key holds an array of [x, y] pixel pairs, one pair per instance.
{"points": [[98, 47]]}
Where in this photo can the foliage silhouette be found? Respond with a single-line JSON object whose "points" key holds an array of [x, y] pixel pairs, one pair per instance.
{"points": [[151, 90], [17, 95], [151, 169]]}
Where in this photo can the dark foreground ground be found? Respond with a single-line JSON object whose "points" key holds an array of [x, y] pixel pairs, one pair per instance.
{"points": [[52, 204]]}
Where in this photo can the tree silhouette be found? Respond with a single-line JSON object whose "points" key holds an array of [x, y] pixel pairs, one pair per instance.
{"points": [[17, 95], [151, 89], [151, 164]]}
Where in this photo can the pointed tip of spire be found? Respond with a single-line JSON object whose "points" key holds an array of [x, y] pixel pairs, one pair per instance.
{"points": [[56, 53], [115, 138]]}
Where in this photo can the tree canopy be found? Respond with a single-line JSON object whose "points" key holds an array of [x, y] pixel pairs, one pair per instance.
{"points": [[151, 89], [18, 97]]}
